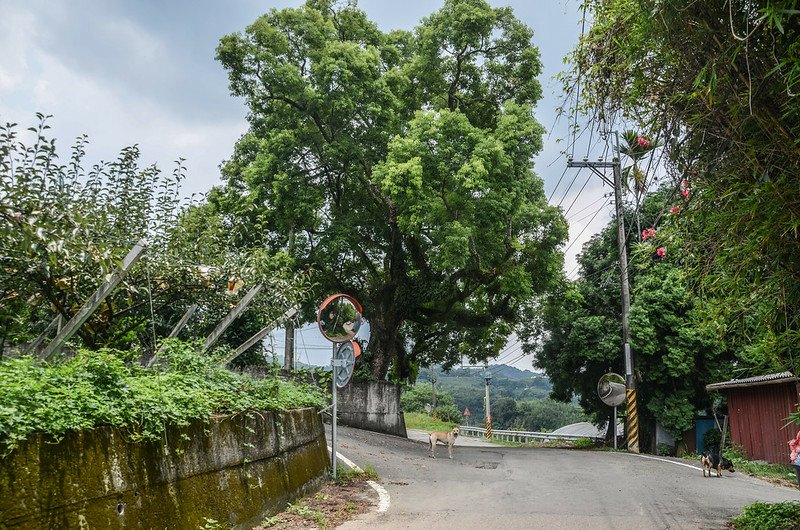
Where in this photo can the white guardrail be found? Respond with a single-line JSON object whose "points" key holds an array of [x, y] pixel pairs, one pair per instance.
{"points": [[520, 436]]}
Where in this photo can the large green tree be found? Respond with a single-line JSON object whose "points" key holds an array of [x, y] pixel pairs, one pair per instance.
{"points": [[396, 167], [675, 356], [718, 83]]}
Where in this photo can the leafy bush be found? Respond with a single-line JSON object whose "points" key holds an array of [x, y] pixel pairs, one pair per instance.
{"points": [[448, 413], [423, 422], [416, 398], [583, 443], [665, 450], [712, 439], [737, 455], [98, 388], [777, 516]]}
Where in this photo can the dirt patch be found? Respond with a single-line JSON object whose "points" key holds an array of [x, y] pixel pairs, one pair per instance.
{"points": [[331, 506]]}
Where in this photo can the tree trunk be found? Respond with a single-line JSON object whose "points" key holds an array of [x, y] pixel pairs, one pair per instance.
{"points": [[383, 343]]}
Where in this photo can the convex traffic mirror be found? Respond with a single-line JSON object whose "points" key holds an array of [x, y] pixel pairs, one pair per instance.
{"points": [[339, 318]]}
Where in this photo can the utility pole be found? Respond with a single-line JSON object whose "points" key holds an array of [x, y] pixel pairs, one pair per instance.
{"points": [[632, 416], [433, 385], [288, 345], [487, 375], [288, 350]]}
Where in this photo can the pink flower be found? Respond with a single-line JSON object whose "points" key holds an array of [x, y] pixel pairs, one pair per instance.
{"points": [[685, 194], [662, 252], [642, 141], [650, 232], [675, 209]]}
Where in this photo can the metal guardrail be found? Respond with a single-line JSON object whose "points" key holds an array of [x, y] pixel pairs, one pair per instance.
{"points": [[520, 436]]}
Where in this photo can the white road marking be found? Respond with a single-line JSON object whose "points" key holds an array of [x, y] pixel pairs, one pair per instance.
{"points": [[690, 466], [383, 495]]}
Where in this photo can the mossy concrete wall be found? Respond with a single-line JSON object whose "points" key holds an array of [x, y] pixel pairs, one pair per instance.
{"points": [[373, 406], [233, 469]]}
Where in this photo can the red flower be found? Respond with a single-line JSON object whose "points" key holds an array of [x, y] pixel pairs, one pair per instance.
{"points": [[675, 209], [642, 141], [650, 232], [662, 252]]}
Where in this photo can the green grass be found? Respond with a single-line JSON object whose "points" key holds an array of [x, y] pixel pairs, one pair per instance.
{"points": [[107, 387], [346, 475], [762, 515], [757, 469], [423, 422]]}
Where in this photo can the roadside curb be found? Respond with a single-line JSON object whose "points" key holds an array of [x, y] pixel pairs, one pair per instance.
{"points": [[384, 500]]}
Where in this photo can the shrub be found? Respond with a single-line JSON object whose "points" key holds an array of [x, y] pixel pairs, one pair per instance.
{"points": [[712, 439], [777, 516], [665, 450], [98, 388]]}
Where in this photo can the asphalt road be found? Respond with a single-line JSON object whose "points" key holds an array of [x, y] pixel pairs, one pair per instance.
{"points": [[513, 488]]}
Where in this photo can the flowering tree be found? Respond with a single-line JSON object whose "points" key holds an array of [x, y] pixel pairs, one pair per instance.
{"points": [[717, 82]]}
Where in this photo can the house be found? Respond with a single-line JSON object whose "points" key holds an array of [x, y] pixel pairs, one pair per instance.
{"points": [[758, 408]]}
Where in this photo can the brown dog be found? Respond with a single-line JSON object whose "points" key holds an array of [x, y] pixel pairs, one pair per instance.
{"points": [[448, 438]]}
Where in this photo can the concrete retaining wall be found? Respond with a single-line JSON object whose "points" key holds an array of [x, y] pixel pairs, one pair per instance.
{"points": [[373, 406], [231, 469]]}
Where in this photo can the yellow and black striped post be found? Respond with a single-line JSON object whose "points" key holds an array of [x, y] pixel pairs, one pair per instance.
{"points": [[488, 428], [632, 421]]}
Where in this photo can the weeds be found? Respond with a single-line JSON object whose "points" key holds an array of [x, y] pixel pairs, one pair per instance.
{"points": [[762, 515], [100, 388], [309, 514]]}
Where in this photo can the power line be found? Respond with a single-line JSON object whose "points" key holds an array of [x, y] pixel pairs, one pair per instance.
{"points": [[557, 183], [585, 227], [579, 194], [573, 216]]}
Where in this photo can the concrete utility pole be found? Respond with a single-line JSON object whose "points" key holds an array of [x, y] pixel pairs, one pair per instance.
{"points": [[433, 385], [288, 344], [487, 375], [632, 416]]}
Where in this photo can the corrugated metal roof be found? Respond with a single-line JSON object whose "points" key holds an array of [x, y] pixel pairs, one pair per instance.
{"points": [[769, 379], [585, 428]]}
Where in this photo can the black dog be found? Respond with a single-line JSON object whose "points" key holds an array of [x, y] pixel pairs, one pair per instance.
{"points": [[711, 461]]}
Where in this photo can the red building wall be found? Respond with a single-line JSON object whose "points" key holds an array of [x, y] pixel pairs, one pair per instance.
{"points": [[758, 420]]}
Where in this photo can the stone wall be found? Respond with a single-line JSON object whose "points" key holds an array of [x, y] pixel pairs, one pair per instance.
{"points": [[373, 406], [234, 469]]}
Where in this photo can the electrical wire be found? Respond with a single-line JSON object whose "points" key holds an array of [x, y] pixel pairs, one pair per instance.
{"points": [[574, 215], [585, 227], [579, 194]]}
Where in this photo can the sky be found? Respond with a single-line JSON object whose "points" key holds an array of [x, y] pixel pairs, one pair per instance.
{"points": [[144, 73]]}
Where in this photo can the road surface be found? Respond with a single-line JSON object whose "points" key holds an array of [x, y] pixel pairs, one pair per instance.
{"points": [[511, 488]]}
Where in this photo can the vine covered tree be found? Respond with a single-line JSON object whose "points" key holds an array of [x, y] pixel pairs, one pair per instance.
{"points": [[718, 84], [396, 167]]}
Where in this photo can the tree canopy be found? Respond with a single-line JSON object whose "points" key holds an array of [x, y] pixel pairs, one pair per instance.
{"points": [[717, 84], [64, 229], [578, 337], [396, 167]]}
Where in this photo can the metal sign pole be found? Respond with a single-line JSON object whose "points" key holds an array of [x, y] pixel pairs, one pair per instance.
{"points": [[615, 427], [333, 421]]}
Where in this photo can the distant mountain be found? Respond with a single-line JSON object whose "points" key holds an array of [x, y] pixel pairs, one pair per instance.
{"points": [[511, 372]]}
